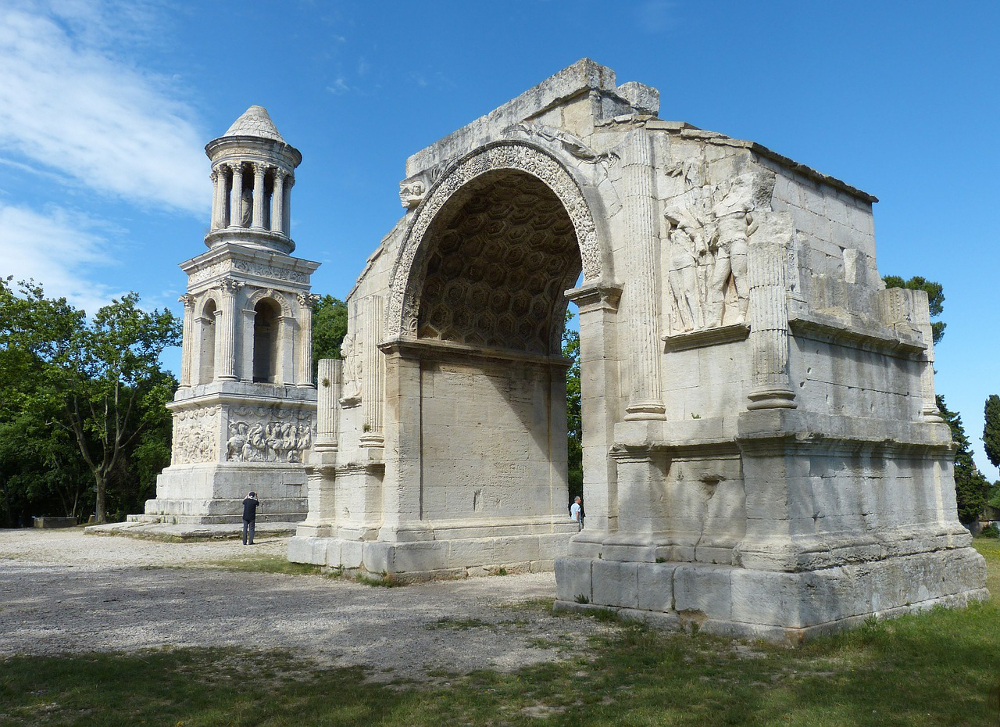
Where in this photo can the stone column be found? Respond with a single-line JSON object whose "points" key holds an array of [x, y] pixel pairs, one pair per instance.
{"points": [[401, 486], [225, 356], [236, 197], [328, 398], [277, 202], [304, 374], [258, 196], [186, 338], [598, 307], [645, 399], [218, 197], [286, 206], [373, 383], [771, 388]]}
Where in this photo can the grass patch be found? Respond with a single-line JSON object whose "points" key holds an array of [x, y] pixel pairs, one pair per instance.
{"points": [[935, 668]]}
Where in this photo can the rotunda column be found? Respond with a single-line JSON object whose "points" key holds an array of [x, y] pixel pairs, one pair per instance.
{"points": [[277, 202], [286, 204], [218, 177], [236, 198], [258, 196]]}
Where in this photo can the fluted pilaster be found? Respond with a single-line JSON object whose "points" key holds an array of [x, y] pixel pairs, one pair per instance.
{"points": [[645, 399], [769, 327], [304, 374], [218, 197], [328, 397], [373, 369], [225, 359], [286, 206], [186, 338]]}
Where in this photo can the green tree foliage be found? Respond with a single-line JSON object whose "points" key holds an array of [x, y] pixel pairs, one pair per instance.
{"points": [[971, 488], [935, 298], [86, 396], [329, 329], [574, 420], [991, 430]]}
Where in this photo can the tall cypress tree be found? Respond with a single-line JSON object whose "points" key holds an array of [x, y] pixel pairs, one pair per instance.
{"points": [[991, 431], [971, 487]]}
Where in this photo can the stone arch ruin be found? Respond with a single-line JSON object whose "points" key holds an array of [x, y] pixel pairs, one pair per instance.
{"points": [[762, 451]]}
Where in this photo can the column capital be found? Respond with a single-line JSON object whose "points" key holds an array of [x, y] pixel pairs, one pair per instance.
{"points": [[259, 168], [188, 300], [308, 300], [229, 286]]}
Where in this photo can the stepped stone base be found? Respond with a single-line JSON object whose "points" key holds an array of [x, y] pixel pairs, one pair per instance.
{"points": [[771, 605], [213, 494], [482, 553]]}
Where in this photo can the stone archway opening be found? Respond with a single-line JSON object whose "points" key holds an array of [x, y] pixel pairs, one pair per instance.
{"points": [[267, 315], [495, 266]]}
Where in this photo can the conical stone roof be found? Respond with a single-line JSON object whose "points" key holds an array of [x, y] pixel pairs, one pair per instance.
{"points": [[255, 121]]}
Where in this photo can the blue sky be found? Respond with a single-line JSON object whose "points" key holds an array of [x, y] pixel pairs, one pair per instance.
{"points": [[105, 109]]}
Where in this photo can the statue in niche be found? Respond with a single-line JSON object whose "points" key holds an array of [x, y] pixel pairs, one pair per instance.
{"points": [[246, 207], [350, 351]]}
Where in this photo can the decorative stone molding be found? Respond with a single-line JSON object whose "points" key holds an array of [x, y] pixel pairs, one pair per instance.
{"points": [[269, 271], [405, 282]]}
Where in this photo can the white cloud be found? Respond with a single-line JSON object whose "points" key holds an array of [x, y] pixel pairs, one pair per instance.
{"points": [[69, 103], [56, 249]]}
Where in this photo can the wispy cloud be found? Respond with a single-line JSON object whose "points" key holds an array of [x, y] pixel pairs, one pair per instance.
{"points": [[56, 248], [72, 103], [655, 16]]}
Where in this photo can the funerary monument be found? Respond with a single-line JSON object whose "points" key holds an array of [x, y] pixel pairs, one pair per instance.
{"points": [[245, 411], [762, 451]]}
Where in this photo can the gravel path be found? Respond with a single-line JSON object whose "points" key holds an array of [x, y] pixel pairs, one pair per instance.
{"points": [[62, 591]]}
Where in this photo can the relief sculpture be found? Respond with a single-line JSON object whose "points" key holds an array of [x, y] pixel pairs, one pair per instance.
{"points": [[268, 435], [708, 228], [194, 438]]}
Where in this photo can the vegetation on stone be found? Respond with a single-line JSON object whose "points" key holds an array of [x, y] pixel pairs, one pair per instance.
{"points": [[935, 298]]}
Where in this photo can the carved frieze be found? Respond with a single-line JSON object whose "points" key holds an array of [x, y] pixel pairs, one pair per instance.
{"points": [[269, 271], [268, 434], [195, 436], [210, 271]]}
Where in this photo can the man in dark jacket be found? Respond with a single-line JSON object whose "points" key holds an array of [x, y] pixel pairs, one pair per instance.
{"points": [[250, 505]]}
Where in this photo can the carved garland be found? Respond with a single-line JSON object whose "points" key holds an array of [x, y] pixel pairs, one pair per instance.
{"points": [[404, 288]]}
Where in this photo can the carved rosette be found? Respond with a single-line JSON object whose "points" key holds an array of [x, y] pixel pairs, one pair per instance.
{"points": [[404, 288]]}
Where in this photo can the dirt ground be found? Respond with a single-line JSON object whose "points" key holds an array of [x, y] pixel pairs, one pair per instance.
{"points": [[65, 591]]}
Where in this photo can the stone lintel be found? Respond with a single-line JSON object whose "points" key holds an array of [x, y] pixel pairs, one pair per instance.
{"points": [[707, 337], [242, 393], [582, 77]]}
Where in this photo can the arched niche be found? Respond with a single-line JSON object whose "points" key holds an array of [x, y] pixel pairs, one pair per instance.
{"points": [[266, 340], [207, 336]]}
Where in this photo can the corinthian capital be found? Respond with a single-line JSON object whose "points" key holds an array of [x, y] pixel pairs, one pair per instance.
{"points": [[188, 300], [230, 286]]}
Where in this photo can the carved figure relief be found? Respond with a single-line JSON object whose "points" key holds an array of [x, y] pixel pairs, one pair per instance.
{"points": [[194, 436], [709, 228], [262, 434], [351, 352], [269, 271]]}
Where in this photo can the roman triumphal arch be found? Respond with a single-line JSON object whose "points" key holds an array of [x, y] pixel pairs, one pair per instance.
{"points": [[762, 451]]}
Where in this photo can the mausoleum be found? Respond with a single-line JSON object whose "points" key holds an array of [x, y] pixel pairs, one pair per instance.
{"points": [[245, 411]]}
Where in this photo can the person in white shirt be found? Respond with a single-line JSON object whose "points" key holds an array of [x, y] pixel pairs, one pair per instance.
{"points": [[576, 511]]}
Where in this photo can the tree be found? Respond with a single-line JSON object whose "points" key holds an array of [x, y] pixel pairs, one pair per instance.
{"points": [[991, 430], [574, 418], [935, 298], [329, 329], [99, 383], [971, 488]]}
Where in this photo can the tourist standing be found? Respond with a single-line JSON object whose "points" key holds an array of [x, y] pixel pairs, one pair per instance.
{"points": [[576, 512], [250, 505]]}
